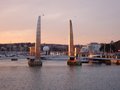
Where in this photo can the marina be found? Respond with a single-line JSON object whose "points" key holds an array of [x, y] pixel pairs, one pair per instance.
{"points": [[59, 45]]}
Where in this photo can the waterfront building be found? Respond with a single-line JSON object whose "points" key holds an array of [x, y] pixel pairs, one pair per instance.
{"points": [[94, 48], [84, 51]]}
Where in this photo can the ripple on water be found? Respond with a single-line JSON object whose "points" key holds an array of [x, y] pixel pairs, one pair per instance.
{"points": [[56, 75]]}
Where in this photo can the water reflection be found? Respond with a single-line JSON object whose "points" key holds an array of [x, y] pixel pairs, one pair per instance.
{"points": [[56, 75]]}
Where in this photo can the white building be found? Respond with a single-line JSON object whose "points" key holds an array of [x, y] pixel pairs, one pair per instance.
{"points": [[94, 48], [84, 51]]}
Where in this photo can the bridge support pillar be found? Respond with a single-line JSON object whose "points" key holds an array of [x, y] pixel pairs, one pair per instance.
{"points": [[33, 63], [37, 60], [73, 62]]}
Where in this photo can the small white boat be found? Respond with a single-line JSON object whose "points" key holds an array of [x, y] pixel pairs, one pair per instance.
{"points": [[84, 60]]}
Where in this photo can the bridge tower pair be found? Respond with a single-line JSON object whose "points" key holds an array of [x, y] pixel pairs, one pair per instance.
{"points": [[37, 61]]}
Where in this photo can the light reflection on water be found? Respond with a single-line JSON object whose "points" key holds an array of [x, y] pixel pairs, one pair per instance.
{"points": [[56, 75]]}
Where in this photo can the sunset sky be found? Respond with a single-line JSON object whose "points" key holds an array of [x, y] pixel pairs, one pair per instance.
{"points": [[93, 20]]}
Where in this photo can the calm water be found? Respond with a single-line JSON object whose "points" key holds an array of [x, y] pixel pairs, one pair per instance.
{"points": [[56, 75]]}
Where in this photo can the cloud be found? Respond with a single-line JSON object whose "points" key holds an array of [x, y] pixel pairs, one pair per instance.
{"points": [[90, 17]]}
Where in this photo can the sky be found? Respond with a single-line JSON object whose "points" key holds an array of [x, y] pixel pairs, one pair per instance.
{"points": [[93, 20]]}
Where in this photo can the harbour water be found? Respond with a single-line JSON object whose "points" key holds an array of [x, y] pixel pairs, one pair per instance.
{"points": [[56, 75]]}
